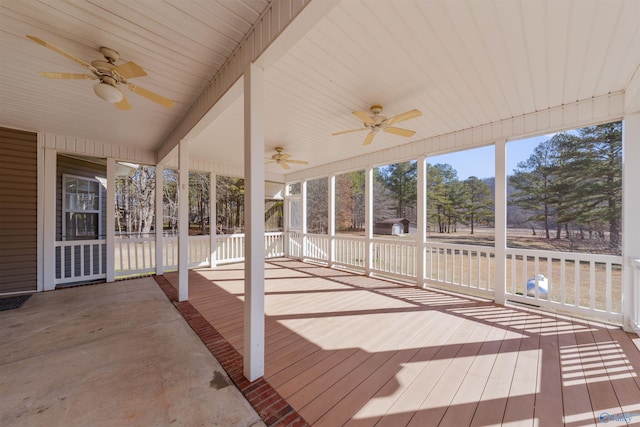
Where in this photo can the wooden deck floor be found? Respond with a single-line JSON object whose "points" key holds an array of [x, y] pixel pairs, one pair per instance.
{"points": [[345, 349]]}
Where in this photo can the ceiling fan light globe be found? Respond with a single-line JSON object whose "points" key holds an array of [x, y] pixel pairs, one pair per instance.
{"points": [[108, 92]]}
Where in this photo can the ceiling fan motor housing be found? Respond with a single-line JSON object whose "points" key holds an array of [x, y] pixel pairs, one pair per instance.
{"points": [[109, 54]]}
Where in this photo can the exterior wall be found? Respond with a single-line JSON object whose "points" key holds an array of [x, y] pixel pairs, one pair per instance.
{"points": [[19, 210], [86, 169]]}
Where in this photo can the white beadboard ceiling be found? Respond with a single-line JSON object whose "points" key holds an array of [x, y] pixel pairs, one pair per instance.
{"points": [[462, 63]]}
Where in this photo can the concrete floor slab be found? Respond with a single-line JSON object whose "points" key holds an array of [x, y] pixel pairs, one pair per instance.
{"points": [[111, 354]]}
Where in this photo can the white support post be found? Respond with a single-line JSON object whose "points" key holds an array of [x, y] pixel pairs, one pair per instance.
{"points": [[422, 220], [501, 222], [111, 219], [254, 323], [49, 220], [368, 219], [40, 213], [159, 220], [303, 191], [286, 223], [213, 221], [630, 223], [332, 220], [183, 221]]}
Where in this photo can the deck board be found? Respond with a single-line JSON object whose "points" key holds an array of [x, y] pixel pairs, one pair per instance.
{"points": [[345, 349]]}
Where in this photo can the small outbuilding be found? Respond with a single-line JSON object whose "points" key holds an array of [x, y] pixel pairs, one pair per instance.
{"points": [[392, 227]]}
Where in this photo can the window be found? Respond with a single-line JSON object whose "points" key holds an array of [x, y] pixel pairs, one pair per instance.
{"points": [[81, 208]]}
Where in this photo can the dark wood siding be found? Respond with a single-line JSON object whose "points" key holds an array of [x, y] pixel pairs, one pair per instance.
{"points": [[18, 211], [84, 168]]}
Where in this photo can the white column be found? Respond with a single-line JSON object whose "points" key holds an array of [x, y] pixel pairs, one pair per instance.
{"points": [[630, 223], [40, 213], [303, 191], [213, 221], [183, 221], [286, 223], [368, 218], [111, 219], [159, 220], [501, 222], [421, 238], [254, 222], [49, 220], [332, 219]]}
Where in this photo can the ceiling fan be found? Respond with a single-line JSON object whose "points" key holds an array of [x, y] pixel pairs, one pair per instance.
{"points": [[283, 159], [377, 122], [110, 75]]}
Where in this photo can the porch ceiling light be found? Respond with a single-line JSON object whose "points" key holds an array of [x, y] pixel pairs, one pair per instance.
{"points": [[108, 92]]}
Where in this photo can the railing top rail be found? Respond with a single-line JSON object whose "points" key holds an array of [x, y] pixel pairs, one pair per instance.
{"points": [[431, 243], [79, 242], [345, 237], [614, 259], [137, 239], [403, 240]]}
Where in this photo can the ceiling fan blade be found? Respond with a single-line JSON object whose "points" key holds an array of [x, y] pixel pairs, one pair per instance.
{"points": [[124, 104], [150, 95], [298, 162], [404, 116], [61, 52], [284, 165], [369, 139], [400, 131], [129, 70], [349, 131], [365, 117], [66, 75], [285, 156]]}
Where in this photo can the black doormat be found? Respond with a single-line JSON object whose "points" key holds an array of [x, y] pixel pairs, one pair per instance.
{"points": [[9, 303]]}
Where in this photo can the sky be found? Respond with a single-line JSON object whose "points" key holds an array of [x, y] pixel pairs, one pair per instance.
{"points": [[480, 162]]}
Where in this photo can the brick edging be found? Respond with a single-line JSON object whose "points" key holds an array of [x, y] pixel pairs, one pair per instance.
{"points": [[270, 406]]}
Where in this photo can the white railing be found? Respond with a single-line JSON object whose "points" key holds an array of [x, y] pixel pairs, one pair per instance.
{"points": [[461, 267], [295, 241], [349, 252], [583, 284], [394, 257], [80, 261], [273, 245], [316, 247], [586, 284], [230, 248], [134, 255]]}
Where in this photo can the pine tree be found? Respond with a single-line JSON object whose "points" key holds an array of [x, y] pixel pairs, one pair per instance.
{"points": [[477, 203]]}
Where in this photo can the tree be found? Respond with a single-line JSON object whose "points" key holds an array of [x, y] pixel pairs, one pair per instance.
{"points": [[199, 199], [575, 179], [401, 180], [533, 179], [442, 191], [345, 203], [383, 200], [135, 201], [170, 199], [601, 170], [318, 205], [230, 202], [477, 204]]}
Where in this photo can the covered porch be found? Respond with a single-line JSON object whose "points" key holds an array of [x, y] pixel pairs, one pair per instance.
{"points": [[346, 349]]}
